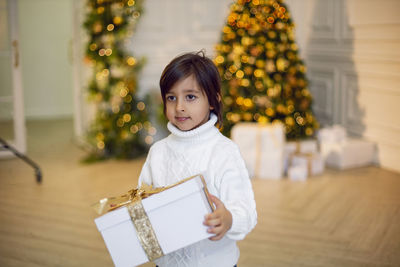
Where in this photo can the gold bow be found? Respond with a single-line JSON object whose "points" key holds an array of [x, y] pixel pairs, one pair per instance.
{"points": [[108, 204]]}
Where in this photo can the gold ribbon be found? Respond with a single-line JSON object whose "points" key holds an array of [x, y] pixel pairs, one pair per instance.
{"points": [[308, 156], [132, 201], [145, 231], [260, 127]]}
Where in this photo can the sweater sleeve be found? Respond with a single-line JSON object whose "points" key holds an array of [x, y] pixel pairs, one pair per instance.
{"points": [[145, 174], [236, 193]]}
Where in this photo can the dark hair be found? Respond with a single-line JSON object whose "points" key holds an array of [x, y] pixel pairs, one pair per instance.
{"points": [[205, 73]]}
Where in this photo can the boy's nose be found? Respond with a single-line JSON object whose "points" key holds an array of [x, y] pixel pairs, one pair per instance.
{"points": [[180, 105]]}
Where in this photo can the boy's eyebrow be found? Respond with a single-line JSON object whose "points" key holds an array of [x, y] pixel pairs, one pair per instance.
{"points": [[189, 90]]}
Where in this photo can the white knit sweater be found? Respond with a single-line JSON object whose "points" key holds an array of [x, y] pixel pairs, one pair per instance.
{"points": [[205, 150]]}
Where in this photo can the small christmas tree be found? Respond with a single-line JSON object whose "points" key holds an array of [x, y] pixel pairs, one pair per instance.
{"points": [[263, 78], [121, 120]]}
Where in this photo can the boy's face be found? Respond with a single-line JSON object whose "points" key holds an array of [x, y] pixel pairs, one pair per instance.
{"points": [[187, 106]]}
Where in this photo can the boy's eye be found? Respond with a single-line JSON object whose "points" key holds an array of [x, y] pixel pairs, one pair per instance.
{"points": [[171, 98], [191, 97]]}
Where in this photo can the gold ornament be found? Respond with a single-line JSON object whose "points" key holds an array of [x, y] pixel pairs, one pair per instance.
{"points": [[247, 116], [127, 117], [100, 145], [245, 82], [117, 20], [281, 64], [248, 103], [262, 119], [260, 63], [289, 121], [140, 106], [270, 20], [239, 100], [258, 73], [148, 139], [219, 60], [300, 120], [246, 41], [110, 27], [232, 69], [131, 61], [239, 74], [97, 27], [248, 70], [270, 66], [100, 10], [133, 129], [270, 112], [235, 117]]}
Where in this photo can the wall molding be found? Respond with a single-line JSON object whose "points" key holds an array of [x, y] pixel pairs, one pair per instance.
{"points": [[322, 83], [357, 59]]}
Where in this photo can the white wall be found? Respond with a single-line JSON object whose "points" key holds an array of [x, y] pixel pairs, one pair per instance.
{"points": [[353, 60], [6, 107], [169, 28], [45, 32]]}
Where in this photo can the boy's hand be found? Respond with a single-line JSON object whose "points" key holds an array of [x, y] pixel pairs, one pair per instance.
{"points": [[220, 221]]}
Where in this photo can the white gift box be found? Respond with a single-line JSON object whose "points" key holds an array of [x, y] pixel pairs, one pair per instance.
{"points": [[298, 173], [348, 154], [334, 134], [165, 211], [262, 148], [314, 162], [303, 146]]}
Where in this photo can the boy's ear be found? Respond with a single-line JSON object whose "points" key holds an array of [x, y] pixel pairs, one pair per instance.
{"points": [[219, 100]]}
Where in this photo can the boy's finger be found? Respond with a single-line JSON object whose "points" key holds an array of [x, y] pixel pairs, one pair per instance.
{"points": [[218, 203], [215, 230], [212, 222], [213, 215], [216, 237]]}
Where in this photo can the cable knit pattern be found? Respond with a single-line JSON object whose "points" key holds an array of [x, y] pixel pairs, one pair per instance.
{"points": [[205, 150]]}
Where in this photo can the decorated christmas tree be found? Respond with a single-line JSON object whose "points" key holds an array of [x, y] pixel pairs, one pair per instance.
{"points": [[263, 77], [121, 128]]}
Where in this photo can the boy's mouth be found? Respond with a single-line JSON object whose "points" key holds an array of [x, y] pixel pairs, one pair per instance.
{"points": [[181, 118]]}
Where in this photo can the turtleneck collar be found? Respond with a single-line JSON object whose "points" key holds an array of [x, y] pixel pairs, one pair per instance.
{"points": [[196, 135]]}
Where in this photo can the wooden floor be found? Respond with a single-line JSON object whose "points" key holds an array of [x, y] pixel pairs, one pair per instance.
{"points": [[348, 218]]}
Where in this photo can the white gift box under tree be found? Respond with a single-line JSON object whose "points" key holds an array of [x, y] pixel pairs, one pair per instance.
{"points": [[262, 147], [351, 153], [164, 211], [301, 146], [342, 152], [305, 165]]}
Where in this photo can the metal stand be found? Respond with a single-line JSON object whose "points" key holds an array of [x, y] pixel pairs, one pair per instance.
{"points": [[38, 172]]}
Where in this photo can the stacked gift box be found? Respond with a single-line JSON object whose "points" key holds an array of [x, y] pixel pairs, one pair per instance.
{"points": [[302, 159], [343, 152], [262, 148], [268, 155]]}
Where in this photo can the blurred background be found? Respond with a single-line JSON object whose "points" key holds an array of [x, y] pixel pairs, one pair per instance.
{"points": [[344, 216]]}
